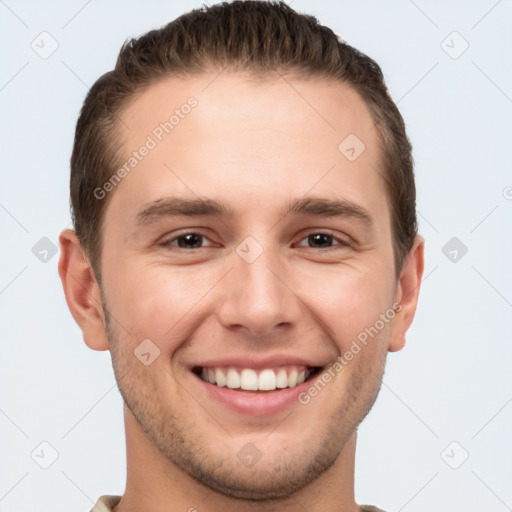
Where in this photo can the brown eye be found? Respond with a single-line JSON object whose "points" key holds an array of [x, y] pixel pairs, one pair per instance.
{"points": [[190, 240], [322, 241]]}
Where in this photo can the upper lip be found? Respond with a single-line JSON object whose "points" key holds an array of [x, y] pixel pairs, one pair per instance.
{"points": [[257, 362]]}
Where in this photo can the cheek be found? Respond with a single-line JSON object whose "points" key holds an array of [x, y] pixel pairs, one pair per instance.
{"points": [[164, 303], [156, 302], [350, 302]]}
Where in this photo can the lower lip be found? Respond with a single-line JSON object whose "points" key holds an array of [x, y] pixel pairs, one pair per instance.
{"points": [[254, 403]]}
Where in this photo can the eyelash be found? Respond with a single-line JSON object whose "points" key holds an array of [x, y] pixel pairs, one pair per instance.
{"points": [[340, 243]]}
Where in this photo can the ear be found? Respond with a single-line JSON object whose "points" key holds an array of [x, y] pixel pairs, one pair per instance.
{"points": [[407, 292], [82, 291]]}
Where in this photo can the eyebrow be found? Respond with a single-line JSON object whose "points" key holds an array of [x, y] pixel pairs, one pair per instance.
{"points": [[179, 206], [324, 207]]}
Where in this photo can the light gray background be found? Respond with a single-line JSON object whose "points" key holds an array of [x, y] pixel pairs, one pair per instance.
{"points": [[452, 382]]}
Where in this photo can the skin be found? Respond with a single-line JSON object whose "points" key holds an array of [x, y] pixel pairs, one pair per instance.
{"points": [[254, 145]]}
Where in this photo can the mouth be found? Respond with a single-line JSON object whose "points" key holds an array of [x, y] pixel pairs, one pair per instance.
{"points": [[254, 380]]}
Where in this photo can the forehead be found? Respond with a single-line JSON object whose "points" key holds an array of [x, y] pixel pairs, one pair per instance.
{"points": [[290, 105], [226, 133]]}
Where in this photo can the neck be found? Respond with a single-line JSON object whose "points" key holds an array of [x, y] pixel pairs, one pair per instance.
{"points": [[155, 483]]}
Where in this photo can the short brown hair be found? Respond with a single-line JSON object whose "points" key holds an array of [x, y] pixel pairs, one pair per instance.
{"points": [[254, 36]]}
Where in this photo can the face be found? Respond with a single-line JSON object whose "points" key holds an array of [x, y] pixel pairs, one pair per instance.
{"points": [[251, 249]]}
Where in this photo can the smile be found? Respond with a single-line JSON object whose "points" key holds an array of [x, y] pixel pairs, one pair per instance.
{"points": [[250, 379]]}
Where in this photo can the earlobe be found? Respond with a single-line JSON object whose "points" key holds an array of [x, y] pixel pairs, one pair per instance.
{"points": [[407, 293], [82, 291]]}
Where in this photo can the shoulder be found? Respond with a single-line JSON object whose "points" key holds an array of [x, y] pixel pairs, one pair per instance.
{"points": [[106, 503]]}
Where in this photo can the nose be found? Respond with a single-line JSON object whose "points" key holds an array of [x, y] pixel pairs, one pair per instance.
{"points": [[257, 297]]}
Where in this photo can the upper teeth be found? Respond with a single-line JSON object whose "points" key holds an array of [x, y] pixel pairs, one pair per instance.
{"points": [[249, 379]]}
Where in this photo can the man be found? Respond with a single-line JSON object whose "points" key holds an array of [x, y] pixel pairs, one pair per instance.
{"points": [[245, 246]]}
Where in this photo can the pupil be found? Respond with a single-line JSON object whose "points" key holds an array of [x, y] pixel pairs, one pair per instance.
{"points": [[191, 237], [319, 238]]}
